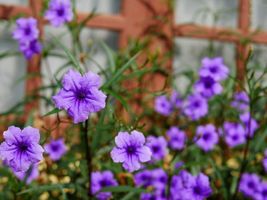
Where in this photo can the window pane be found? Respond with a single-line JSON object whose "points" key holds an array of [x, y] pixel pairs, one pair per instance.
{"points": [[100, 6], [259, 14]]}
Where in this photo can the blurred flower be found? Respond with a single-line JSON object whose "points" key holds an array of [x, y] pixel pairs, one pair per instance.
{"points": [[163, 105], [206, 137], [158, 146], [195, 107], [213, 67], [241, 101], [20, 149], [178, 164], [26, 30], [234, 134], [157, 195], [56, 149], [80, 95], [31, 174], [264, 161], [208, 87], [250, 124], [131, 150], [177, 138], [184, 186], [176, 99], [262, 193], [59, 12], [249, 184], [101, 180], [29, 48], [144, 178]]}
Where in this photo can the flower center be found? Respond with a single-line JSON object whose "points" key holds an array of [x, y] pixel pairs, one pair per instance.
{"points": [[208, 82], [22, 147], [196, 104], [206, 136], [104, 183], [251, 184], [61, 12], [155, 149], [80, 95], [130, 150], [213, 69], [197, 190], [54, 147], [27, 31], [235, 137]]}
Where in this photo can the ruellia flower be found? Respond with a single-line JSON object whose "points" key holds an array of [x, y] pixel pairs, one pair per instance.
{"points": [[80, 95], [234, 134], [187, 187], [101, 180], [214, 67], [208, 87], [26, 29], [27, 33], [206, 137], [131, 150], [195, 107], [56, 149], [29, 48], [262, 193], [264, 160], [250, 184], [176, 99], [158, 146], [177, 138], [21, 148], [240, 101], [163, 105], [31, 174], [249, 123], [59, 12]]}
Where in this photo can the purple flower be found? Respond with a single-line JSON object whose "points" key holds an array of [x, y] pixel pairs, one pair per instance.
{"points": [[262, 193], [163, 105], [21, 148], [56, 149], [29, 48], [249, 184], [59, 12], [177, 138], [178, 165], [234, 134], [264, 161], [250, 124], [157, 195], [176, 99], [31, 174], [206, 137], [101, 180], [26, 30], [80, 95], [131, 150], [201, 188], [241, 101], [208, 87], [144, 178], [214, 67], [158, 147], [195, 107]]}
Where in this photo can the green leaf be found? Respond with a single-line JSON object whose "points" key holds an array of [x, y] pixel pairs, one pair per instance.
{"points": [[110, 55], [55, 110], [120, 71], [123, 189], [44, 188]]}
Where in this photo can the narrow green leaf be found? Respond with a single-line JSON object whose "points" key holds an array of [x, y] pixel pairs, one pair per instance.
{"points": [[110, 55], [123, 189], [55, 110], [43, 188]]}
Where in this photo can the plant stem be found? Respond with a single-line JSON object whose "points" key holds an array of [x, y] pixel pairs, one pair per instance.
{"points": [[88, 155]]}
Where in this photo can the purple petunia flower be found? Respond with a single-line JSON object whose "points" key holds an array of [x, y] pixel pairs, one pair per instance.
{"points": [[31, 174], [250, 124], [184, 186], [241, 101], [214, 67], [177, 138], [234, 134], [59, 12], [80, 95], [163, 105], [21, 148], [249, 184], [56, 149], [195, 107], [158, 147], [101, 180], [208, 87], [131, 150], [29, 48], [26, 30], [206, 137]]}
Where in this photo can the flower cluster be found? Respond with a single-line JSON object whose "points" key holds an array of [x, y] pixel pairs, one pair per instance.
{"points": [[21, 151], [253, 187], [184, 186], [100, 180], [59, 12], [27, 33]]}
